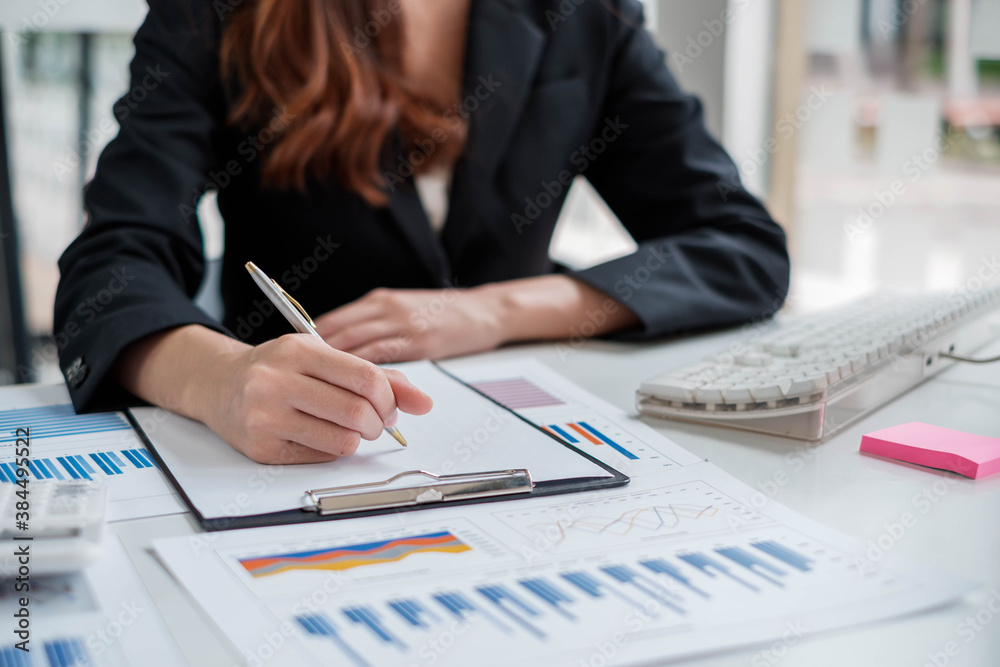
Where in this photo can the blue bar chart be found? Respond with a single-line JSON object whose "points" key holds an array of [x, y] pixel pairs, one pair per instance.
{"points": [[784, 554], [321, 626], [668, 590], [576, 433], [66, 652], [559, 408], [82, 466], [54, 421], [413, 613], [101, 447]]}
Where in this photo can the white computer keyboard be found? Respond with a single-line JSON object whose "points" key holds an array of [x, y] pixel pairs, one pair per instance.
{"points": [[809, 377]]}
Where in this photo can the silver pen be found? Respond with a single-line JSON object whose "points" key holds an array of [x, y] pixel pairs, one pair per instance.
{"points": [[297, 317]]}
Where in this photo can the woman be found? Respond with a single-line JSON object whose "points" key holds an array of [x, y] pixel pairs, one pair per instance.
{"points": [[337, 133]]}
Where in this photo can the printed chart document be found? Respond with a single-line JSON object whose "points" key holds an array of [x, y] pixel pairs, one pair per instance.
{"points": [[101, 617], [464, 433], [674, 565], [542, 396], [101, 446]]}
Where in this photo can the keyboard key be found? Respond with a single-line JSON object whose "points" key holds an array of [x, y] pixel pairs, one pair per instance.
{"points": [[709, 393], [738, 394]]}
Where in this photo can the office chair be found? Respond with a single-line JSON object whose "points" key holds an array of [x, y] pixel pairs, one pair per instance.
{"points": [[13, 337]]}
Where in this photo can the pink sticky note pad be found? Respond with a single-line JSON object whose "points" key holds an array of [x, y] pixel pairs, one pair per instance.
{"points": [[967, 454]]}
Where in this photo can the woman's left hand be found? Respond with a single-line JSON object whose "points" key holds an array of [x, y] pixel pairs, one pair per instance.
{"points": [[388, 325]]}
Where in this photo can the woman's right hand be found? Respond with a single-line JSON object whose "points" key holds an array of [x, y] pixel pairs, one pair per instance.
{"points": [[295, 399]]}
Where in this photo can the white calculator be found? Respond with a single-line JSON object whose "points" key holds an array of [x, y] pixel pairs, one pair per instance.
{"points": [[65, 519]]}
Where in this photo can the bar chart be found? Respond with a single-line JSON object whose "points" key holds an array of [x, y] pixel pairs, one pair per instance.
{"points": [[101, 447], [66, 652], [57, 421], [547, 400], [523, 611], [576, 433], [79, 466]]}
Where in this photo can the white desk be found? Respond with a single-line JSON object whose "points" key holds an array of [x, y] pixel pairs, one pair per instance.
{"points": [[831, 482]]}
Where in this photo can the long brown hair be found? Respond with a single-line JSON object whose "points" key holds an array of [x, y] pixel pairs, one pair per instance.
{"points": [[333, 69]]}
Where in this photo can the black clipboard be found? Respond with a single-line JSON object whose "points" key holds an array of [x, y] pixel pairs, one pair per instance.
{"points": [[379, 497]]}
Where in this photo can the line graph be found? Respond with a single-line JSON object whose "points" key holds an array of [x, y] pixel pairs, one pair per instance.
{"points": [[296, 566], [682, 509], [653, 519], [354, 555]]}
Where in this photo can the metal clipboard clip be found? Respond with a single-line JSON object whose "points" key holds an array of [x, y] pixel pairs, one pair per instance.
{"points": [[443, 488]]}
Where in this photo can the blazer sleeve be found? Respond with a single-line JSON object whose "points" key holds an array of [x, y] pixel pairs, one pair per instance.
{"points": [[136, 266], [709, 253]]}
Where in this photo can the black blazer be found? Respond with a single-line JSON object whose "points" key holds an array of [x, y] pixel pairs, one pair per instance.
{"points": [[553, 89]]}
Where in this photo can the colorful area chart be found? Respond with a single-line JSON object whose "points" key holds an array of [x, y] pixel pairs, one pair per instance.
{"points": [[355, 555]]}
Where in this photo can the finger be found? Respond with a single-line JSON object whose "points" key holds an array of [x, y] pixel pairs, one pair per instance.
{"points": [[291, 453], [386, 350], [347, 316], [408, 397], [319, 434], [314, 358], [358, 335], [336, 405]]}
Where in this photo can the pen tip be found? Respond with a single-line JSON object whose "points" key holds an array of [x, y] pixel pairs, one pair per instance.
{"points": [[394, 432], [251, 267]]}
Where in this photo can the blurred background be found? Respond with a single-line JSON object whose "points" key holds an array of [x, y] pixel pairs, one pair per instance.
{"points": [[870, 127]]}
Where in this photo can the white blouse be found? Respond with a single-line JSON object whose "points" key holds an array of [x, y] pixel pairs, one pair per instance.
{"points": [[433, 187]]}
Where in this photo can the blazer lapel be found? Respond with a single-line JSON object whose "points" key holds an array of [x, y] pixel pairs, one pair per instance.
{"points": [[406, 209], [502, 54]]}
